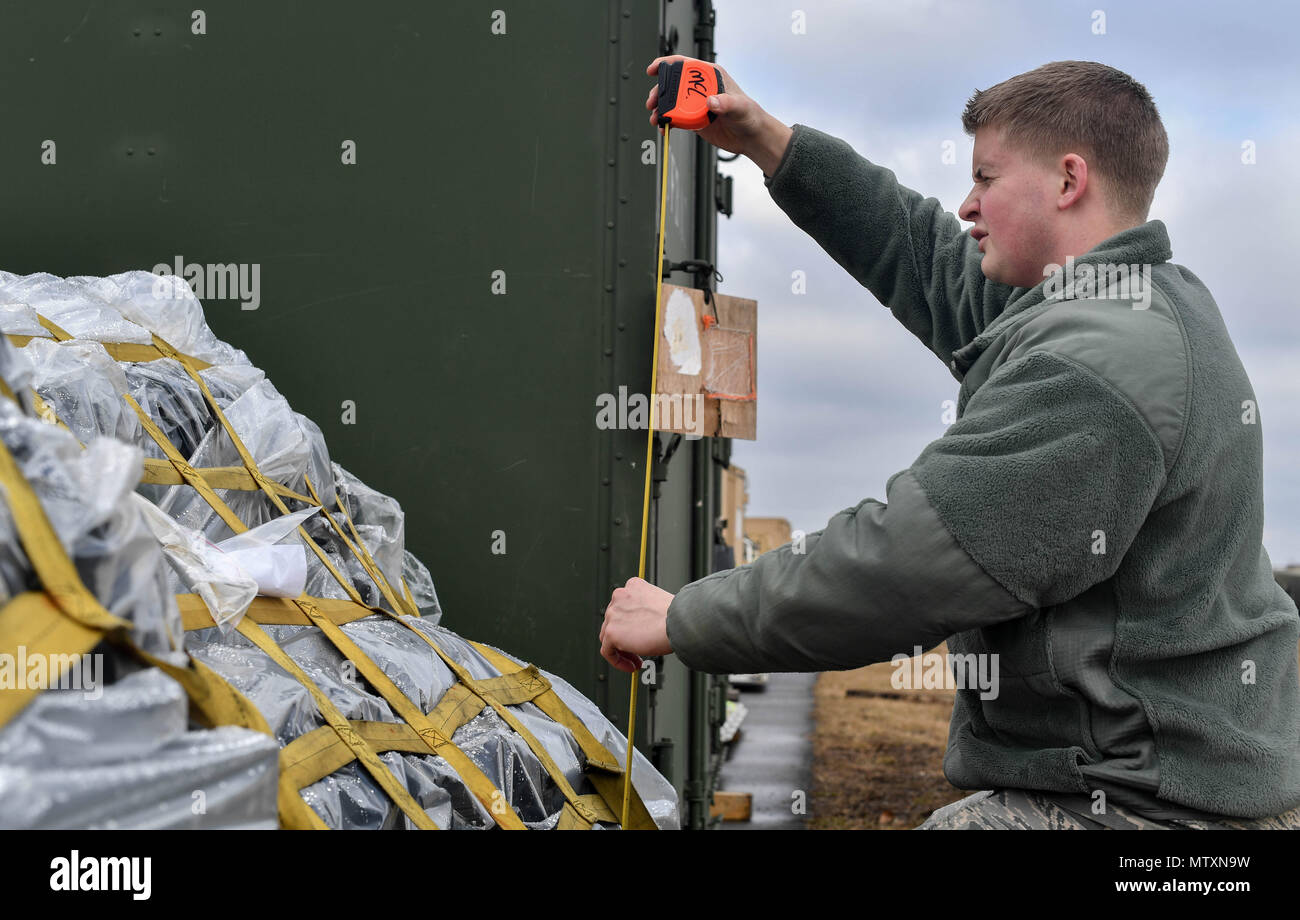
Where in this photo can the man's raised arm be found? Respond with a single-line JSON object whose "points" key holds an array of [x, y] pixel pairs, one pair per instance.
{"points": [[906, 249]]}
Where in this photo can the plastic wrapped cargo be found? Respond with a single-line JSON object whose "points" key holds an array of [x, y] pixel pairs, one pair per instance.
{"points": [[378, 717], [126, 759]]}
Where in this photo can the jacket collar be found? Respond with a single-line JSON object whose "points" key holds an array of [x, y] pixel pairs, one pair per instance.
{"points": [[1145, 244]]}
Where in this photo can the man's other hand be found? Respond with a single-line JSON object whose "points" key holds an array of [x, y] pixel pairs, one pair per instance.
{"points": [[636, 625]]}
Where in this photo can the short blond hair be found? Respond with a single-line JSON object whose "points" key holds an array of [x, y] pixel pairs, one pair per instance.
{"points": [[1088, 108]]}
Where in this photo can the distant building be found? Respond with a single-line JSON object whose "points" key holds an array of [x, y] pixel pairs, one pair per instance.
{"points": [[763, 534], [735, 497]]}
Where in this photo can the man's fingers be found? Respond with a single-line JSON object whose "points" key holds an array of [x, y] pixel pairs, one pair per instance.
{"points": [[653, 69], [629, 663], [626, 663]]}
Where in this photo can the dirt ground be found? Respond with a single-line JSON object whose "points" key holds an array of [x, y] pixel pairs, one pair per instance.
{"points": [[877, 751]]}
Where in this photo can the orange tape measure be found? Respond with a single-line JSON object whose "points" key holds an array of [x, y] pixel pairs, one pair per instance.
{"points": [[684, 91]]}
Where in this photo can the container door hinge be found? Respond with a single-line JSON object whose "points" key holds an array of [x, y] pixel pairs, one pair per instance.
{"points": [[705, 274], [724, 195]]}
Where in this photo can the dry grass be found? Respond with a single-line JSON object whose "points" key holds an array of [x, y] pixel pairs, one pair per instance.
{"points": [[877, 751]]}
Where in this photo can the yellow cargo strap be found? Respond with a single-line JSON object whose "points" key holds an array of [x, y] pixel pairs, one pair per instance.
{"points": [[275, 611], [478, 783], [118, 351], [59, 334], [265, 484], [46, 554], [535, 682], [65, 620], [162, 473], [33, 619], [379, 770], [311, 757], [402, 603], [606, 771], [359, 550], [33, 622]]}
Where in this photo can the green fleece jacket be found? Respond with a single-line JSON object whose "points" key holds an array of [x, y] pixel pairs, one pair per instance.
{"points": [[1093, 518]]}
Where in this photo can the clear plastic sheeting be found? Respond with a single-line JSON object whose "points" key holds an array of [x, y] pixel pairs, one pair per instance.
{"points": [[72, 304], [377, 518], [173, 400], [86, 495], [286, 446], [84, 387], [125, 759], [424, 678], [420, 584], [129, 757]]}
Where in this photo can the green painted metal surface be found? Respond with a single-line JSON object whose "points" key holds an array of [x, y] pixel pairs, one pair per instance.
{"points": [[448, 307]]}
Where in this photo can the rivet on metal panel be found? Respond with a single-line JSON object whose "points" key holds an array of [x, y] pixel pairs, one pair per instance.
{"points": [[618, 521]]}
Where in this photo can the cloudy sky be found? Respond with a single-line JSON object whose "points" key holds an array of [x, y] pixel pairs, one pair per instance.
{"points": [[847, 396]]}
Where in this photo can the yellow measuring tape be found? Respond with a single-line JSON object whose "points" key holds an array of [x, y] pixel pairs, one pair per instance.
{"points": [[649, 447]]}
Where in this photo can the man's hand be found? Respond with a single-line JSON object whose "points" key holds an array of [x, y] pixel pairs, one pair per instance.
{"points": [[636, 625], [741, 125]]}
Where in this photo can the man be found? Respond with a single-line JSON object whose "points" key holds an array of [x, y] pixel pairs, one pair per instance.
{"points": [[1093, 517]]}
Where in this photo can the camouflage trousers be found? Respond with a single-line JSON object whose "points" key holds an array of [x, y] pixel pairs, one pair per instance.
{"points": [[1023, 809]]}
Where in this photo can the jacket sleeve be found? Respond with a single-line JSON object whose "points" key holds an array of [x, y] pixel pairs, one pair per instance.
{"points": [[996, 518], [909, 252]]}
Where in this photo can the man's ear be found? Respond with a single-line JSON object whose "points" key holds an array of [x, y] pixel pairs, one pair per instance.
{"points": [[1073, 180]]}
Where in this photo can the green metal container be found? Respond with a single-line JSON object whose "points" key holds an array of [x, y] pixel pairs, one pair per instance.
{"points": [[448, 306]]}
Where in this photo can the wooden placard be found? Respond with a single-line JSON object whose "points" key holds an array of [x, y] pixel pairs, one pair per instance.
{"points": [[708, 365]]}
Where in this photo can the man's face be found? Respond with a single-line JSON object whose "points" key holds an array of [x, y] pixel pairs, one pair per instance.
{"points": [[1012, 206]]}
